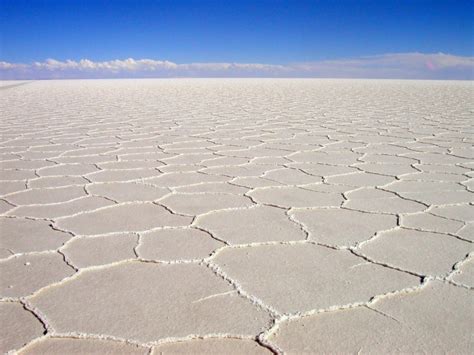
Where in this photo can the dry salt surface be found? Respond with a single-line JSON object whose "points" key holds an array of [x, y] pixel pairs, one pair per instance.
{"points": [[236, 216]]}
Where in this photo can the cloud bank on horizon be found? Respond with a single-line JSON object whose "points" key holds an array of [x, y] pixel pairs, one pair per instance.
{"points": [[387, 66]]}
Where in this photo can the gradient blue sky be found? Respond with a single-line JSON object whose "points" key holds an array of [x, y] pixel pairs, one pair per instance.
{"points": [[240, 31]]}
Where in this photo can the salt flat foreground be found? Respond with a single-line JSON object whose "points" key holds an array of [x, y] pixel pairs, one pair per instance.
{"points": [[237, 216]]}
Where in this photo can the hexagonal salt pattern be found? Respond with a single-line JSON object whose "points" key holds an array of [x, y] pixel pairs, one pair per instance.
{"points": [[403, 322], [236, 216], [143, 302]]}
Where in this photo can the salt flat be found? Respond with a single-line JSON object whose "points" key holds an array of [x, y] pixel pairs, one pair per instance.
{"points": [[237, 216]]}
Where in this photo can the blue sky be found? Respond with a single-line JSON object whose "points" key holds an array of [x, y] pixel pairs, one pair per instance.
{"points": [[238, 31]]}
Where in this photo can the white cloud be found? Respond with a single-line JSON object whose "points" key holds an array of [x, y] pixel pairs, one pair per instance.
{"points": [[113, 66], [396, 65]]}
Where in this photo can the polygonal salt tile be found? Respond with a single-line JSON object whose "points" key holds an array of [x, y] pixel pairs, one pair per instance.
{"points": [[436, 158], [231, 143], [87, 151], [57, 181], [30, 155], [436, 316], [423, 186], [25, 164], [186, 151], [138, 145], [189, 144], [429, 222], [19, 326], [334, 158], [290, 146], [256, 152], [291, 177], [133, 217], [463, 212], [387, 159], [65, 139], [387, 169], [252, 182], [180, 168], [341, 145], [143, 156], [383, 149], [52, 211], [122, 175], [441, 198], [8, 187], [85, 252], [127, 191], [360, 179], [187, 158], [26, 142], [454, 169], [22, 275], [298, 278], [325, 187], [110, 141], [26, 235], [316, 138], [374, 200], [270, 160], [61, 346], [199, 203], [177, 244], [342, 227], [215, 187], [45, 196], [258, 224], [239, 170], [323, 169], [218, 161], [344, 331], [378, 138], [17, 174], [212, 346], [85, 160], [296, 197], [53, 148], [432, 320], [424, 253], [143, 302], [131, 164], [67, 170], [434, 177], [186, 178]]}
